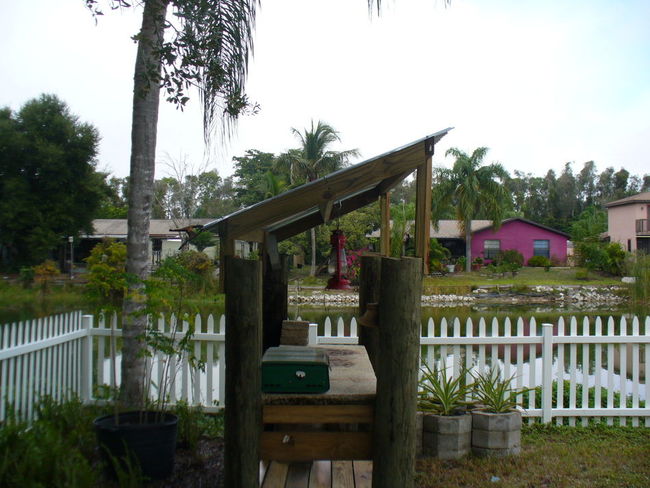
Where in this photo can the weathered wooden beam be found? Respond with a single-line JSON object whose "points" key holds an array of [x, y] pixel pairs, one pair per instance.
{"points": [[275, 299], [226, 248], [369, 288], [423, 184], [243, 414], [384, 239], [397, 373], [326, 210]]}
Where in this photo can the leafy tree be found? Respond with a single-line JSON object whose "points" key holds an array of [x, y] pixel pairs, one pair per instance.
{"points": [[207, 46], [49, 185], [471, 188], [591, 223], [107, 279], [313, 160], [250, 173]]}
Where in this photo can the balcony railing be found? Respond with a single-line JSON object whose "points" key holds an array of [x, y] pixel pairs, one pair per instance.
{"points": [[643, 226]]}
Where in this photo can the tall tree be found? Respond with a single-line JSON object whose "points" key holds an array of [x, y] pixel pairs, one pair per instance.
{"points": [[48, 180], [208, 48], [313, 160], [471, 188]]}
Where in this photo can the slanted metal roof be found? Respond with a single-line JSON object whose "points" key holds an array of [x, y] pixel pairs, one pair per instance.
{"points": [[327, 198], [638, 198]]}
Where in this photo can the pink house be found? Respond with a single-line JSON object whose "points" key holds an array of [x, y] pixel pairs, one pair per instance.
{"points": [[527, 237], [628, 222]]}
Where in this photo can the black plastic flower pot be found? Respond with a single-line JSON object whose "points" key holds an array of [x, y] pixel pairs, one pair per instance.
{"points": [[147, 438]]}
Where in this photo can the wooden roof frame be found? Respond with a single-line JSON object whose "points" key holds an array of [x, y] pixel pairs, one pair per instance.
{"points": [[327, 198]]}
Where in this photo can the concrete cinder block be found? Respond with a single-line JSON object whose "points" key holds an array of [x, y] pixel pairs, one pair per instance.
{"points": [[496, 421], [495, 439], [452, 424], [446, 437]]}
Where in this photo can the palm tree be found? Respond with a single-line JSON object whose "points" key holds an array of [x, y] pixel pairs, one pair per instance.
{"points": [[313, 160], [472, 189]]}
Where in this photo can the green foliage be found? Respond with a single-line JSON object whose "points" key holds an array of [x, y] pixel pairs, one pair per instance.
{"points": [[107, 277], [44, 274], [591, 223], [494, 393], [510, 256], [49, 185], [442, 394], [204, 240], [26, 276], [438, 254], [54, 451], [539, 262], [598, 256], [641, 285]]}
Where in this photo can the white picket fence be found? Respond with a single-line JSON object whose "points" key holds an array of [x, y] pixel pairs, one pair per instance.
{"points": [[70, 354]]}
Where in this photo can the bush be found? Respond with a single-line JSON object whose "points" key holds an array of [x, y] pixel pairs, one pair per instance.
{"points": [[598, 256], [107, 279], [539, 261], [510, 256]]}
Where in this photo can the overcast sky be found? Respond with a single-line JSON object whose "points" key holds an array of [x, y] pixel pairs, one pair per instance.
{"points": [[539, 82]]}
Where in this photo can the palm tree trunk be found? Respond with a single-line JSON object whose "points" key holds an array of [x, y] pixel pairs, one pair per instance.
{"points": [[146, 95], [312, 272], [468, 245]]}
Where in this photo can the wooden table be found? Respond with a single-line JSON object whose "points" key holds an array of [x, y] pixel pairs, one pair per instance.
{"points": [[307, 427]]}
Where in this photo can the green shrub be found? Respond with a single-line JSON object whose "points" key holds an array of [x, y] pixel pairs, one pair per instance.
{"points": [[539, 261], [107, 278], [510, 256]]}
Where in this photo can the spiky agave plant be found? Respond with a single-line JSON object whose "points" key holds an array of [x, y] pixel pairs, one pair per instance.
{"points": [[441, 393], [494, 393]]}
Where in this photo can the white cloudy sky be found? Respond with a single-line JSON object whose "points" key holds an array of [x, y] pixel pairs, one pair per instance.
{"points": [[538, 82]]}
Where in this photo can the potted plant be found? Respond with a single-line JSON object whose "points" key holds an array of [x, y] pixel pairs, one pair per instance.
{"points": [[446, 425], [496, 422], [477, 263], [144, 439]]}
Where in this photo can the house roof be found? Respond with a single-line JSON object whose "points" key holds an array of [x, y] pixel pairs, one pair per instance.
{"points": [[450, 229], [158, 228], [327, 198], [638, 198]]}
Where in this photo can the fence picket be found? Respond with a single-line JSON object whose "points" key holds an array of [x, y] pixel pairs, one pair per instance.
{"points": [[520, 359], [209, 361], [507, 349], [469, 350], [647, 370], [585, 370], [598, 365], [481, 347], [610, 369], [573, 366], [622, 348], [635, 371], [532, 363], [560, 370], [494, 348]]}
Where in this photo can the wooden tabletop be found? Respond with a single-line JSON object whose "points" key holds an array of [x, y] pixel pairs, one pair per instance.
{"points": [[352, 381]]}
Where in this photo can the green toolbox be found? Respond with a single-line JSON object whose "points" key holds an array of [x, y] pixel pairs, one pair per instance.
{"points": [[295, 369]]}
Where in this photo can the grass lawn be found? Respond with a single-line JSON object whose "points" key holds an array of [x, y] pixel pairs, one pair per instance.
{"points": [[571, 457], [526, 277]]}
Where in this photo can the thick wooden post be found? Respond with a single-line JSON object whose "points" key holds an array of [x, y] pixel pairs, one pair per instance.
{"points": [[243, 414], [226, 248], [423, 182], [384, 206], [397, 374], [275, 299], [369, 288]]}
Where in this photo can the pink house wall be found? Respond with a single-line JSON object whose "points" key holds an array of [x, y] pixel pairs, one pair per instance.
{"points": [[519, 235], [621, 223]]}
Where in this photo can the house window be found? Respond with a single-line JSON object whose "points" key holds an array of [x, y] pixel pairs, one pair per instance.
{"points": [[491, 248], [542, 247]]}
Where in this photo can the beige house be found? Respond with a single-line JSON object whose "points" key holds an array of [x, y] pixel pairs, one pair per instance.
{"points": [[628, 222]]}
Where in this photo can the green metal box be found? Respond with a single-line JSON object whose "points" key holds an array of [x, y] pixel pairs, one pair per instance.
{"points": [[295, 369]]}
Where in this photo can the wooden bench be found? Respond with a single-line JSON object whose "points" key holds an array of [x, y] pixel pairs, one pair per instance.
{"points": [[335, 425]]}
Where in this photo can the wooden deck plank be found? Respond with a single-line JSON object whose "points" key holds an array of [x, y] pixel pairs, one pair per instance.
{"points": [[362, 474], [276, 475], [342, 474], [298, 475], [321, 474]]}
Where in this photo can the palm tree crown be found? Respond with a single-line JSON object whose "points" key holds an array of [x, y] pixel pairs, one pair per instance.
{"points": [[473, 190]]}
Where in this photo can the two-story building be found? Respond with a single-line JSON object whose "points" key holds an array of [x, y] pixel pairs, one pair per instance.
{"points": [[628, 222]]}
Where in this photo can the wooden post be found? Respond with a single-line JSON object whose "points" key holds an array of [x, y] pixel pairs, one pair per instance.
{"points": [[423, 183], [397, 374], [226, 248], [369, 288], [243, 413], [384, 206], [275, 299]]}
